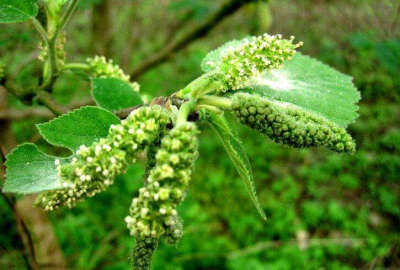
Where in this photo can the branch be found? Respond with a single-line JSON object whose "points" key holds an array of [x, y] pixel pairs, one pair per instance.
{"points": [[194, 34], [16, 114]]}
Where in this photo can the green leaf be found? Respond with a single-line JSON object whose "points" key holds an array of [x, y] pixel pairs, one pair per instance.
{"points": [[312, 85], [114, 94], [12, 11], [30, 170], [79, 127], [237, 153]]}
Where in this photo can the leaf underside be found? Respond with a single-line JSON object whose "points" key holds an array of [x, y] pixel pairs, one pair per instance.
{"points": [[237, 153], [114, 94], [12, 11], [79, 127], [30, 171]]}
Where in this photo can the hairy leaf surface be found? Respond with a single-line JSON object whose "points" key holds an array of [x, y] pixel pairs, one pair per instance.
{"points": [[114, 94], [237, 153], [312, 85], [79, 127], [12, 11], [29, 171]]}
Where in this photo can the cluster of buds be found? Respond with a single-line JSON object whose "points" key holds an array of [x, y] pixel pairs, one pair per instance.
{"points": [[289, 124], [100, 67], [143, 252], [94, 168], [61, 55], [153, 213], [239, 61]]}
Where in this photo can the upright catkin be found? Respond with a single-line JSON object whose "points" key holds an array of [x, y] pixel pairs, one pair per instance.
{"points": [[94, 168], [153, 213], [289, 124]]}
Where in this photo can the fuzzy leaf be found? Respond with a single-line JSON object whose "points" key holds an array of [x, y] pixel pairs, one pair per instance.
{"points": [[114, 94], [238, 155], [30, 170], [81, 126], [312, 85], [12, 11]]}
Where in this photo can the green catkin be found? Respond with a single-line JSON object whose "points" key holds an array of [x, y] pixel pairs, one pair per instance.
{"points": [[143, 253], [100, 67], [289, 124], [250, 57], [94, 168], [153, 212]]}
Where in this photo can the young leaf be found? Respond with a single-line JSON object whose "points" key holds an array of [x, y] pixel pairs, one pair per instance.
{"points": [[79, 127], [114, 94], [12, 11], [30, 171], [238, 155], [312, 85]]}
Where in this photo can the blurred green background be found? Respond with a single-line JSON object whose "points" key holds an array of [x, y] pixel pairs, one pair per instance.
{"points": [[325, 210]]}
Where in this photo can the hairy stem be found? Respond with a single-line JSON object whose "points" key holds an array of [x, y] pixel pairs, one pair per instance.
{"points": [[220, 102], [184, 112]]}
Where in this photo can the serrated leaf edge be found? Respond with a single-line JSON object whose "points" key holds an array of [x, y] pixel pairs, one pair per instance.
{"points": [[38, 126]]}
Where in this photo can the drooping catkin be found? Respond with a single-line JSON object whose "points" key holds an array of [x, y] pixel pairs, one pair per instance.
{"points": [[143, 252], [94, 168], [153, 212], [289, 124]]}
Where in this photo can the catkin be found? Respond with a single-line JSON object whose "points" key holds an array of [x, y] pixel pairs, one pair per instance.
{"points": [[289, 124], [241, 60], [94, 168], [153, 212]]}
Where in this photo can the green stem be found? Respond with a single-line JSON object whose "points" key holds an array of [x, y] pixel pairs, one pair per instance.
{"points": [[220, 102], [66, 17], [204, 84], [42, 32], [184, 112], [76, 66]]}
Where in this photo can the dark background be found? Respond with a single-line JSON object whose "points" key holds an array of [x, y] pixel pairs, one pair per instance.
{"points": [[325, 210]]}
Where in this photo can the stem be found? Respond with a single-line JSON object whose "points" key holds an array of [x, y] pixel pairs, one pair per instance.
{"points": [[38, 26], [76, 66], [184, 111], [204, 84], [46, 99], [220, 102], [66, 17]]}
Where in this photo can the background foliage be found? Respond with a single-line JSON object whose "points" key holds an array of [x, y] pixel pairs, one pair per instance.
{"points": [[325, 210]]}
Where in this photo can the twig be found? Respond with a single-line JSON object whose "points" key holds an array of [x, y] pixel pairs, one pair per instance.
{"points": [[46, 99], [194, 34], [16, 114]]}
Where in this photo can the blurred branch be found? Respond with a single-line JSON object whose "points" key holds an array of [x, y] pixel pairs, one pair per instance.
{"points": [[18, 114], [101, 38], [194, 34]]}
